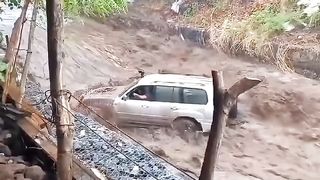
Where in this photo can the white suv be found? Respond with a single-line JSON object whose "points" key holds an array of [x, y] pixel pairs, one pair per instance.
{"points": [[182, 101]]}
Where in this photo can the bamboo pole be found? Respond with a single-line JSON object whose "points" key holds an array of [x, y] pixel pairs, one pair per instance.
{"points": [[223, 100], [26, 66], [63, 120]]}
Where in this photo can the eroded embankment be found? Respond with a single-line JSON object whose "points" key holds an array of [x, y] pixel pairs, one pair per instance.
{"points": [[298, 51]]}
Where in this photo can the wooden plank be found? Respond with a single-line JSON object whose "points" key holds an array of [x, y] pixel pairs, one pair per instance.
{"points": [[79, 171]]}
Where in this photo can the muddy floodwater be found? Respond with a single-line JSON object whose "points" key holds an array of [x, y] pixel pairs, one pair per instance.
{"points": [[280, 137]]}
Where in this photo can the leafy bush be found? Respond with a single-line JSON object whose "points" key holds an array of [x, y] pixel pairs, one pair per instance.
{"points": [[94, 8], [270, 21], [191, 10], [313, 20]]}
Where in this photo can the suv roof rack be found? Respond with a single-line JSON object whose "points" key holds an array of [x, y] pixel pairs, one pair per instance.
{"points": [[163, 71]]}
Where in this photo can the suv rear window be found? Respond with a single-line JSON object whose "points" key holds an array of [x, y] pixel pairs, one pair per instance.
{"points": [[194, 96], [180, 95], [167, 94]]}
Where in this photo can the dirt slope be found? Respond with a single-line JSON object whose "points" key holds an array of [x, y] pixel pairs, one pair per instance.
{"points": [[281, 137]]}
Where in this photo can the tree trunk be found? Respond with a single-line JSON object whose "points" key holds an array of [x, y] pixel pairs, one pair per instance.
{"points": [[13, 49], [218, 122], [223, 101], [29, 52], [62, 118]]}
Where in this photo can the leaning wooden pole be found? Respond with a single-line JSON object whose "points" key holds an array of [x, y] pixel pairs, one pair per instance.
{"points": [[12, 46], [25, 70], [63, 120], [223, 101], [13, 50]]}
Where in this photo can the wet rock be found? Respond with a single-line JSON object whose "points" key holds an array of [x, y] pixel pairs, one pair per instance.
{"points": [[19, 160], [6, 174], [1, 122], [159, 151], [5, 150], [19, 176], [7, 171], [3, 159], [35, 173]]}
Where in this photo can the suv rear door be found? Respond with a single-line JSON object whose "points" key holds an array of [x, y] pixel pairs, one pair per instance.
{"points": [[193, 103]]}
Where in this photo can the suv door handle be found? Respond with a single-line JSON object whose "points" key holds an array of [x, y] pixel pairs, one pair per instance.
{"points": [[174, 108], [144, 106]]}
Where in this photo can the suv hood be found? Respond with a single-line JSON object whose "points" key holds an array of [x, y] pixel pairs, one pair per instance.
{"points": [[102, 96]]}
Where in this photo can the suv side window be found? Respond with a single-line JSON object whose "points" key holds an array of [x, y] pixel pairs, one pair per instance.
{"points": [[194, 96], [145, 93], [167, 94]]}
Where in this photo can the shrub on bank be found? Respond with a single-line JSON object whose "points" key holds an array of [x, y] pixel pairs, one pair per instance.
{"points": [[94, 8], [253, 35]]}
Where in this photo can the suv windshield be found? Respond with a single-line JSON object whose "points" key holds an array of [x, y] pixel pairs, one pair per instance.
{"points": [[128, 87]]}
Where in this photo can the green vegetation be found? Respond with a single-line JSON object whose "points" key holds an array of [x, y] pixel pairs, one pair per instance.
{"points": [[271, 22], [220, 5], [313, 20], [14, 3], [253, 35], [191, 10], [3, 70], [94, 8], [90, 8]]}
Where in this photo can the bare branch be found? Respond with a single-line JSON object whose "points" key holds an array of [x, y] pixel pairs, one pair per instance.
{"points": [[242, 86]]}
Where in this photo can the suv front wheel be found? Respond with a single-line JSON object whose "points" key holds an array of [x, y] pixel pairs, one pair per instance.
{"points": [[186, 124]]}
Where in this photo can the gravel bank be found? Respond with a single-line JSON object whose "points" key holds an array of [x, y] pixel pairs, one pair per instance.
{"points": [[114, 155]]}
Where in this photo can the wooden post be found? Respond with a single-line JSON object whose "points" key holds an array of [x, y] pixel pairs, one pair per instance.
{"points": [[63, 120], [24, 75], [223, 101], [7, 41]]}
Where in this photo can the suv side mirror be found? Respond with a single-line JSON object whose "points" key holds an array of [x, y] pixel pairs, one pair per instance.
{"points": [[125, 97]]}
